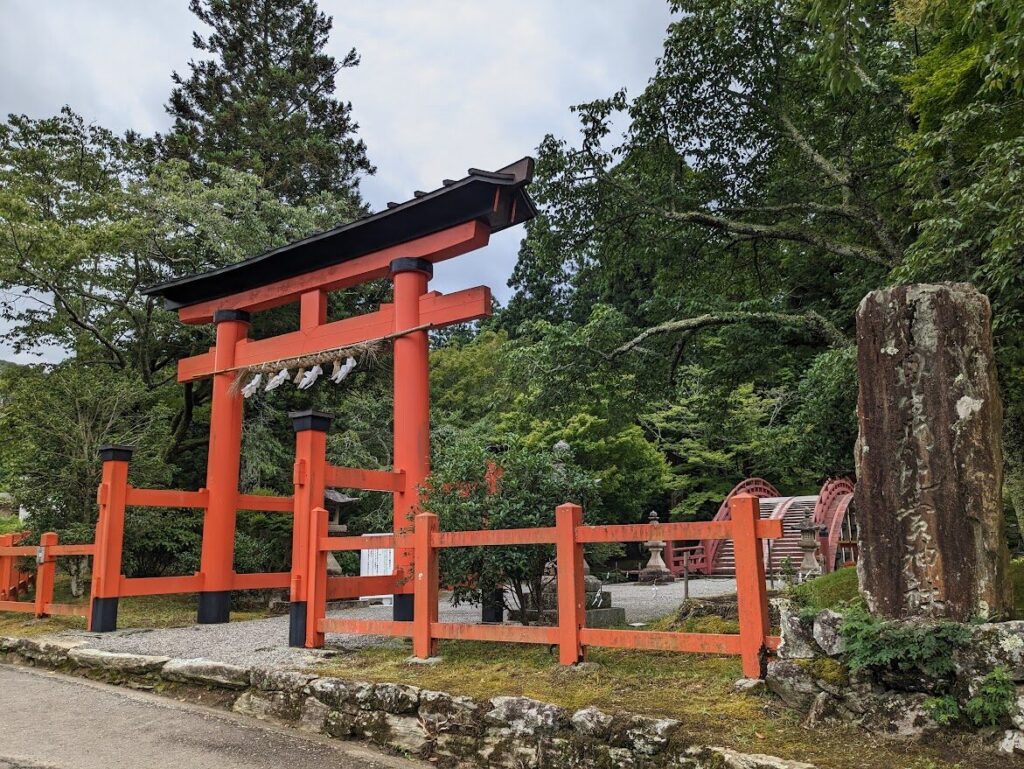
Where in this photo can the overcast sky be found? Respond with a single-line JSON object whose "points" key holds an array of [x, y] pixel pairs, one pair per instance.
{"points": [[443, 85]]}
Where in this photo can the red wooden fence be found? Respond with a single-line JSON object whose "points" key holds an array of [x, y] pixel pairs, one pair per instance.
{"points": [[46, 555], [13, 579], [568, 535]]}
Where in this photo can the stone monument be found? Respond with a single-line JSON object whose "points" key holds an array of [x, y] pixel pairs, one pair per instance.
{"points": [[929, 475], [598, 602]]}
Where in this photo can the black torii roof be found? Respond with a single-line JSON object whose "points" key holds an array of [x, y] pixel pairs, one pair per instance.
{"points": [[456, 202]]}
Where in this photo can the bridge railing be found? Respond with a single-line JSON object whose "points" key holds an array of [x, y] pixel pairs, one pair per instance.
{"points": [[568, 535]]}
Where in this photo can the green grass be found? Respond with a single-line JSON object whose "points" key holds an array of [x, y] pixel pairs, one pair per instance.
{"points": [[832, 591]]}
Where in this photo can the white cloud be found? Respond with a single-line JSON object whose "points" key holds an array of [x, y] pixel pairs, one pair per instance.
{"points": [[443, 84]]}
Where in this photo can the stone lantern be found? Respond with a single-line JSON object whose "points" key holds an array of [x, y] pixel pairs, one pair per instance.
{"points": [[655, 571], [809, 566]]}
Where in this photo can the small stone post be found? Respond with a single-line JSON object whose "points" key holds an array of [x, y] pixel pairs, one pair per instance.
{"points": [[929, 477]]}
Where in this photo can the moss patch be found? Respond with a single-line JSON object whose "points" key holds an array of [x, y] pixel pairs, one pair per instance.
{"points": [[830, 591]]}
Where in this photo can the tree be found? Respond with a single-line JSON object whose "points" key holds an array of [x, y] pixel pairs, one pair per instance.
{"points": [[261, 100], [534, 482], [87, 220]]}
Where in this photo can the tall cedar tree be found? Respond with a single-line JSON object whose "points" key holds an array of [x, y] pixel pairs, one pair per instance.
{"points": [[263, 102]]}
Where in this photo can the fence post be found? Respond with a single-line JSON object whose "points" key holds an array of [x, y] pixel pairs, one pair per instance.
{"points": [[425, 586], [751, 593], [316, 579], [7, 570], [45, 572], [310, 466], [109, 538], [571, 594]]}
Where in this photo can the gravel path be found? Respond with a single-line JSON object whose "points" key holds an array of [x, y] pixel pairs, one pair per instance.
{"points": [[264, 641]]}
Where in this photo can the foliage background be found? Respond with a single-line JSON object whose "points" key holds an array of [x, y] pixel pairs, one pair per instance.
{"points": [[683, 307]]}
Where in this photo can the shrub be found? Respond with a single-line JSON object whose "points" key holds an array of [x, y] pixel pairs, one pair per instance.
{"points": [[943, 709], [996, 695], [901, 647]]}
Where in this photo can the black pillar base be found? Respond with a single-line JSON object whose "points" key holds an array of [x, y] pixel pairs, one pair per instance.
{"points": [[493, 607], [402, 608], [104, 615], [297, 624], [214, 607]]}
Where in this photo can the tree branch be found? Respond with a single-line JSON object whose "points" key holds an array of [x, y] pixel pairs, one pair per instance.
{"points": [[809, 321], [776, 232]]}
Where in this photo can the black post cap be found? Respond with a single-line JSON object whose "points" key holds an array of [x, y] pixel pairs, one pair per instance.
{"points": [[219, 316], [412, 264], [310, 420], [116, 452]]}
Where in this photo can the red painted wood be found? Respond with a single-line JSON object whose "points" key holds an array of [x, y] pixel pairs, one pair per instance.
{"points": [[159, 585], [528, 634], [166, 498], [699, 643], [265, 503], [437, 310], [223, 463], [425, 586], [46, 573], [367, 480], [494, 537], [643, 532], [66, 610], [265, 581], [571, 593], [64, 550], [18, 551], [383, 542], [339, 588], [751, 592], [316, 577], [366, 627], [109, 537], [436, 247]]}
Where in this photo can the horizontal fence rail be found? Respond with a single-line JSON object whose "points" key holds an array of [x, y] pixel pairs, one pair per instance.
{"points": [[744, 526], [45, 555]]}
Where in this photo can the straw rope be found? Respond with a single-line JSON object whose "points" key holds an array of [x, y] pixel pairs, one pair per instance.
{"points": [[365, 351]]}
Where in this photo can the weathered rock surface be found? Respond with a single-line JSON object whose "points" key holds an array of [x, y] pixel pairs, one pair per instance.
{"points": [[792, 683], [826, 632], [734, 760], [797, 639], [992, 645], [526, 717], [203, 671], [117, 661], [449, 730], [929, 456]]}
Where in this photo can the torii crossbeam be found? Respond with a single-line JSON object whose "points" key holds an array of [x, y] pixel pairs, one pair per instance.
{"points": [[402, 242]]}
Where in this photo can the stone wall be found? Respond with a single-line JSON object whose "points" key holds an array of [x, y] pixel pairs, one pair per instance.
{"points": [[512, 732], [811, 676]]}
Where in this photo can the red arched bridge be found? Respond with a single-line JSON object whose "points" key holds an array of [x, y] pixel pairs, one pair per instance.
{"points": [[831, 510]]}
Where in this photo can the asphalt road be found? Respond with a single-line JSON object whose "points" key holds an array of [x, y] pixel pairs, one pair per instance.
{"points": [[52, 721]]}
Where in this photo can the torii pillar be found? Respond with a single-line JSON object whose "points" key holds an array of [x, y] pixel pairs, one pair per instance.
{"points": [[222, 467], [411, 415]]}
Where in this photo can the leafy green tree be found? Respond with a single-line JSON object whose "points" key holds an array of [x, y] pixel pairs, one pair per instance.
{"points": [[260, 100], [534, 482]]}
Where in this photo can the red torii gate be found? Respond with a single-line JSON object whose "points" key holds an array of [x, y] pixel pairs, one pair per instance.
{"points": [[403, 242]]}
